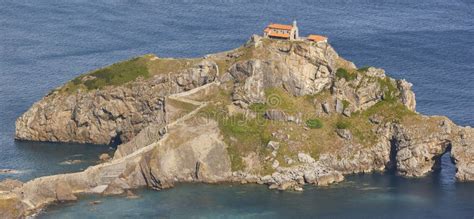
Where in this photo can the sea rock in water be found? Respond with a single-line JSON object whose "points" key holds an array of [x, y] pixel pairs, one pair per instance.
{"points": [[8, 171], [104, 157]]}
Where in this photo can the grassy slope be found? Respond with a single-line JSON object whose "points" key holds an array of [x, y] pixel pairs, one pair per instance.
{"points": [[126, 71], [149, 65], [247, 134]]}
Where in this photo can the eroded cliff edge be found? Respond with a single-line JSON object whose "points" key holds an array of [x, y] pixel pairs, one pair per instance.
{"points": [[281, 113]]}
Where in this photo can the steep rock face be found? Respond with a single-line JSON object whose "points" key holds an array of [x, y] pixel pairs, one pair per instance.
{"points": [[299, 68], [93, 117], [110, 115], [462, 153], [357, 159], [407, 95], [193, 151], [362, 92], [146, 136], [308, 69], [249, 82], [370, 87], [420, 145]]}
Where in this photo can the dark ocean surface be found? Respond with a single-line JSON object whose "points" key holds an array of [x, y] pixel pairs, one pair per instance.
{"points": [[45, 43]]}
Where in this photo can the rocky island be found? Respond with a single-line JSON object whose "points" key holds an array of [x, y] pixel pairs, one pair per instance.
{"points": [[275, 112]]}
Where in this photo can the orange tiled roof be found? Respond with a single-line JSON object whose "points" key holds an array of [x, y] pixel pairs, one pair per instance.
{"points": [[280, 26], [280, 35], [317, 38]]}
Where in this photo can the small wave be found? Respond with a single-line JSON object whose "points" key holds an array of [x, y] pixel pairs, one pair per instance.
{"points": [[12, 171], [71, 162]]}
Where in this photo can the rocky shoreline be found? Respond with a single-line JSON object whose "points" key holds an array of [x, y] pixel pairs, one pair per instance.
{"points": [[284, 114]]}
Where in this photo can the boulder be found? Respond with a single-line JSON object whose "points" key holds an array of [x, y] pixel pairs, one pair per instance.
{"points": [[330, 178], [104, 157], [339, 106], [114, 189], [375, 119], [275, 164], [326, 107], [276, 115], [347, 112], [344, 133], [274, 145], [305, 158]]}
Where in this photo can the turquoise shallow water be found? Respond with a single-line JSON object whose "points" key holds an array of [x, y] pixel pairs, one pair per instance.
{"points": [[430, 43], [360, 196]]}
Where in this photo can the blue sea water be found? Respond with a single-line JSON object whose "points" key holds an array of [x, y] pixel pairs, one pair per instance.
{"points": [[45, 43]]}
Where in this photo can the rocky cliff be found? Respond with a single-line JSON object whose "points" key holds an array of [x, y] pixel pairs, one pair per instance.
{"points": [[280, 113], [112, 114]]}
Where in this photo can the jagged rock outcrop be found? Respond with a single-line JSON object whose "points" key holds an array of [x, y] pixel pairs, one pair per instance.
{"points": [[407, 95], [300, 68], [411, 148], [99, 117], [419, 145], [114, 114], [462, 153], [371, 86]]}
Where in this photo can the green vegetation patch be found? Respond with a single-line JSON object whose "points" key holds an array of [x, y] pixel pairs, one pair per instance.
{"points": [[243, 53], [343, 73], [314, 123], [363, 69], [342, 124], [116, 74], [126, 71], [245, 135], [391, 111], [345, 104], [258, 107], [277, 98], [169, 65], [242, 134], [390, 90]]}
